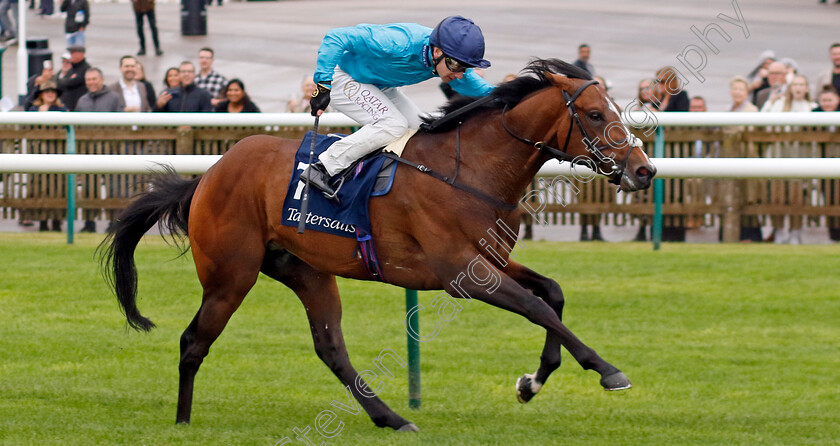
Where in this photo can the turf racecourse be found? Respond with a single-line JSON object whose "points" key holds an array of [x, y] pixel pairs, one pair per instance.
{"points": [[734, 345]]}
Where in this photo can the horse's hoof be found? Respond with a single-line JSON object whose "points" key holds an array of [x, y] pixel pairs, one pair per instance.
{"points": [[410, 427], [616, 381], [526, 388]]}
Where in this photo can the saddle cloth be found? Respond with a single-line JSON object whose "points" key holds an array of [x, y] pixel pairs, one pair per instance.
{"points": [[351, 218]]}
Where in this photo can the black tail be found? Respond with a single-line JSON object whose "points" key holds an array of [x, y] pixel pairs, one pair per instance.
{"points": [[167, 203]]}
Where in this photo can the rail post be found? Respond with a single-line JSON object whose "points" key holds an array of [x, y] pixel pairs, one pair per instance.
{"points": [[413, 351], [658, 189], [71, 186]]}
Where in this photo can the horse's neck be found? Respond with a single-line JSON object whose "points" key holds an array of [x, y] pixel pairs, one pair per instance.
{"points": [[490, 159]]}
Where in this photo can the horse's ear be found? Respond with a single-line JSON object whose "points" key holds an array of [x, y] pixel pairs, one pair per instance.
{"points": [[557, 79]]}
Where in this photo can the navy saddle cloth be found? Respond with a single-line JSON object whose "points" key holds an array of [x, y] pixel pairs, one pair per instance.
{"points": [[350, 219]]}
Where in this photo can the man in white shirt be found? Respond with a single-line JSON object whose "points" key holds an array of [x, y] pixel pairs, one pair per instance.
{"points": [[132, 92]]}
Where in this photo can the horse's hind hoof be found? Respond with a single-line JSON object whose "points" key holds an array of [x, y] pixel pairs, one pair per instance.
{"points": [[410, 427], [616, 381], [526, 388]]}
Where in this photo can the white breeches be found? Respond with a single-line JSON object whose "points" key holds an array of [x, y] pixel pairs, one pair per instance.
{"points": [[384, 113]]}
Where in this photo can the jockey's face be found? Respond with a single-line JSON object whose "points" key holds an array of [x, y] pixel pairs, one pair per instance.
{"points": [[446, 75]]}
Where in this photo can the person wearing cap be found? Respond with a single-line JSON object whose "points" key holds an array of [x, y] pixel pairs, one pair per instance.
{"points": [[360, 69], [71, 79]]}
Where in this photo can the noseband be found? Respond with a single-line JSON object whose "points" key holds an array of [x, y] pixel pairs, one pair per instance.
{"points": [[617, 169]]}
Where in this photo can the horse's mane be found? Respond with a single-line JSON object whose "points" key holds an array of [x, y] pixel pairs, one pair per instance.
{"points": [[532, 78]]}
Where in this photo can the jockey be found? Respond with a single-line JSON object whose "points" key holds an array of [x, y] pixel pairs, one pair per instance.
{"points": [[360, 68]]}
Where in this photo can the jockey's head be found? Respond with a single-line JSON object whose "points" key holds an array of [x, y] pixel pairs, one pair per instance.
{"points": [[460, 44]]}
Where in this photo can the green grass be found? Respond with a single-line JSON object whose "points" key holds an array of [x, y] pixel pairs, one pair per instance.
{"points": [[732, 344]]}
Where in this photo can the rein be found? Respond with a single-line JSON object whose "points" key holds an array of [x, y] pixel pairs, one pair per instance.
{"points": [[617, 168]]}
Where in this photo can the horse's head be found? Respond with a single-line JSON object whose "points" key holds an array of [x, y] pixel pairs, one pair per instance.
{"points": [[592, 134]]}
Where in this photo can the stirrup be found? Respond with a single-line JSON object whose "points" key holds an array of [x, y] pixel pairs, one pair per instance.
{"points": [[334, 195]]}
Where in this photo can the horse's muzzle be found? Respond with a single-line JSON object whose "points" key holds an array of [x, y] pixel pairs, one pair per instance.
{"points": [[638, 178]]}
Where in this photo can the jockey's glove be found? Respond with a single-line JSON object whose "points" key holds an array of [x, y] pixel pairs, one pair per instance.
{"points": [[320, 97]]}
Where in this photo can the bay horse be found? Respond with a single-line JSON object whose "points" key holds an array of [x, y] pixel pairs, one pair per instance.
{"points": [[427, 233]]}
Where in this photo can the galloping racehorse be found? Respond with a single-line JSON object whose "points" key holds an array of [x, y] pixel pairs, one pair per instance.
{"points": [[428, 234]]}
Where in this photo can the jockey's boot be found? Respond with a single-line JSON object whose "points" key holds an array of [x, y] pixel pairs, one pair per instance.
{"points": [[318, 178]]}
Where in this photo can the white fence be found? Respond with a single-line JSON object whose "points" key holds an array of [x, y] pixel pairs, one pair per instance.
{"points": [[195, 164]]}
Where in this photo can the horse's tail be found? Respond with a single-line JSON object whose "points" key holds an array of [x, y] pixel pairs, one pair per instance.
{"points": [[167, 203]]}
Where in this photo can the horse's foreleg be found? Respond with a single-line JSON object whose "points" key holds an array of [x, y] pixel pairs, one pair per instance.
{"points": [[319, 294], [549, 291], [225, 285], [504, 292]]}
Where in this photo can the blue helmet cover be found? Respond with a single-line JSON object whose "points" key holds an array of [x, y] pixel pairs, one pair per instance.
{"points": [[462, 39]]}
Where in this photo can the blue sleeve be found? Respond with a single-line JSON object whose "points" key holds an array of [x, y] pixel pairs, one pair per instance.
{"points": [[337, 42], [472, 85]]}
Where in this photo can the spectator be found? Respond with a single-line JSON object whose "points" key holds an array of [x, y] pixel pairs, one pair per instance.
{"points": [[187, 97], [792, 69], [697, 104], [98, 98], [237, 100], [738, 91], [71, 79], [150, 89], [47, 99], [828, 100], [47, 8], [758, 76], [582, 61], [646, 96], [33, 85], [146, 8], [172, 79], [300, 103], [776, 75], [9, 34], [207, 79], [796, 99], [133, 93], [77, 20], [832, 75], [668, 90], [509, 77]]}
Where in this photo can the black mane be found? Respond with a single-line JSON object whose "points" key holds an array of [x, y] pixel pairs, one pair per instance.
{"points": [[532, 78]]}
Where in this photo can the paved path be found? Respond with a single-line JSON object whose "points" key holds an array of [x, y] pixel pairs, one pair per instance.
{"points": [[271, 45]]}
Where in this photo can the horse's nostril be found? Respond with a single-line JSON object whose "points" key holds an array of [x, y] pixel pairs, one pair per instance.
{"points": [[643, 172]]}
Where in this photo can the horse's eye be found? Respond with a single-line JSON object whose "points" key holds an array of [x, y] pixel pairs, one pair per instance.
{"points": [[596, 116]]}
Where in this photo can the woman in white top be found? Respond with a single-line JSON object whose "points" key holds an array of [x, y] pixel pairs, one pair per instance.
{"points": [[796, 99]]}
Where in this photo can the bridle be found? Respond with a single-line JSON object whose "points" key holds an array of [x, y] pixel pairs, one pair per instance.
{"points": [[616, 170]]}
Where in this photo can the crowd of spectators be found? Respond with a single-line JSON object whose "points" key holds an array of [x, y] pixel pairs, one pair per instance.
{"points": [[773, 85], [80, 87]]}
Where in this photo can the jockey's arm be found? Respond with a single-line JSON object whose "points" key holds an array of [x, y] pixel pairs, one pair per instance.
{"points": [[472, 85], [336, 42]]}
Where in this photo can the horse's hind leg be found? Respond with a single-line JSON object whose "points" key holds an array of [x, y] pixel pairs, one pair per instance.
{"points": [[226, 280], [319, 294]]}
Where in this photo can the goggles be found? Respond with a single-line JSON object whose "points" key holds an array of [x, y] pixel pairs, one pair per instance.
{"points": [[455, 65]]}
